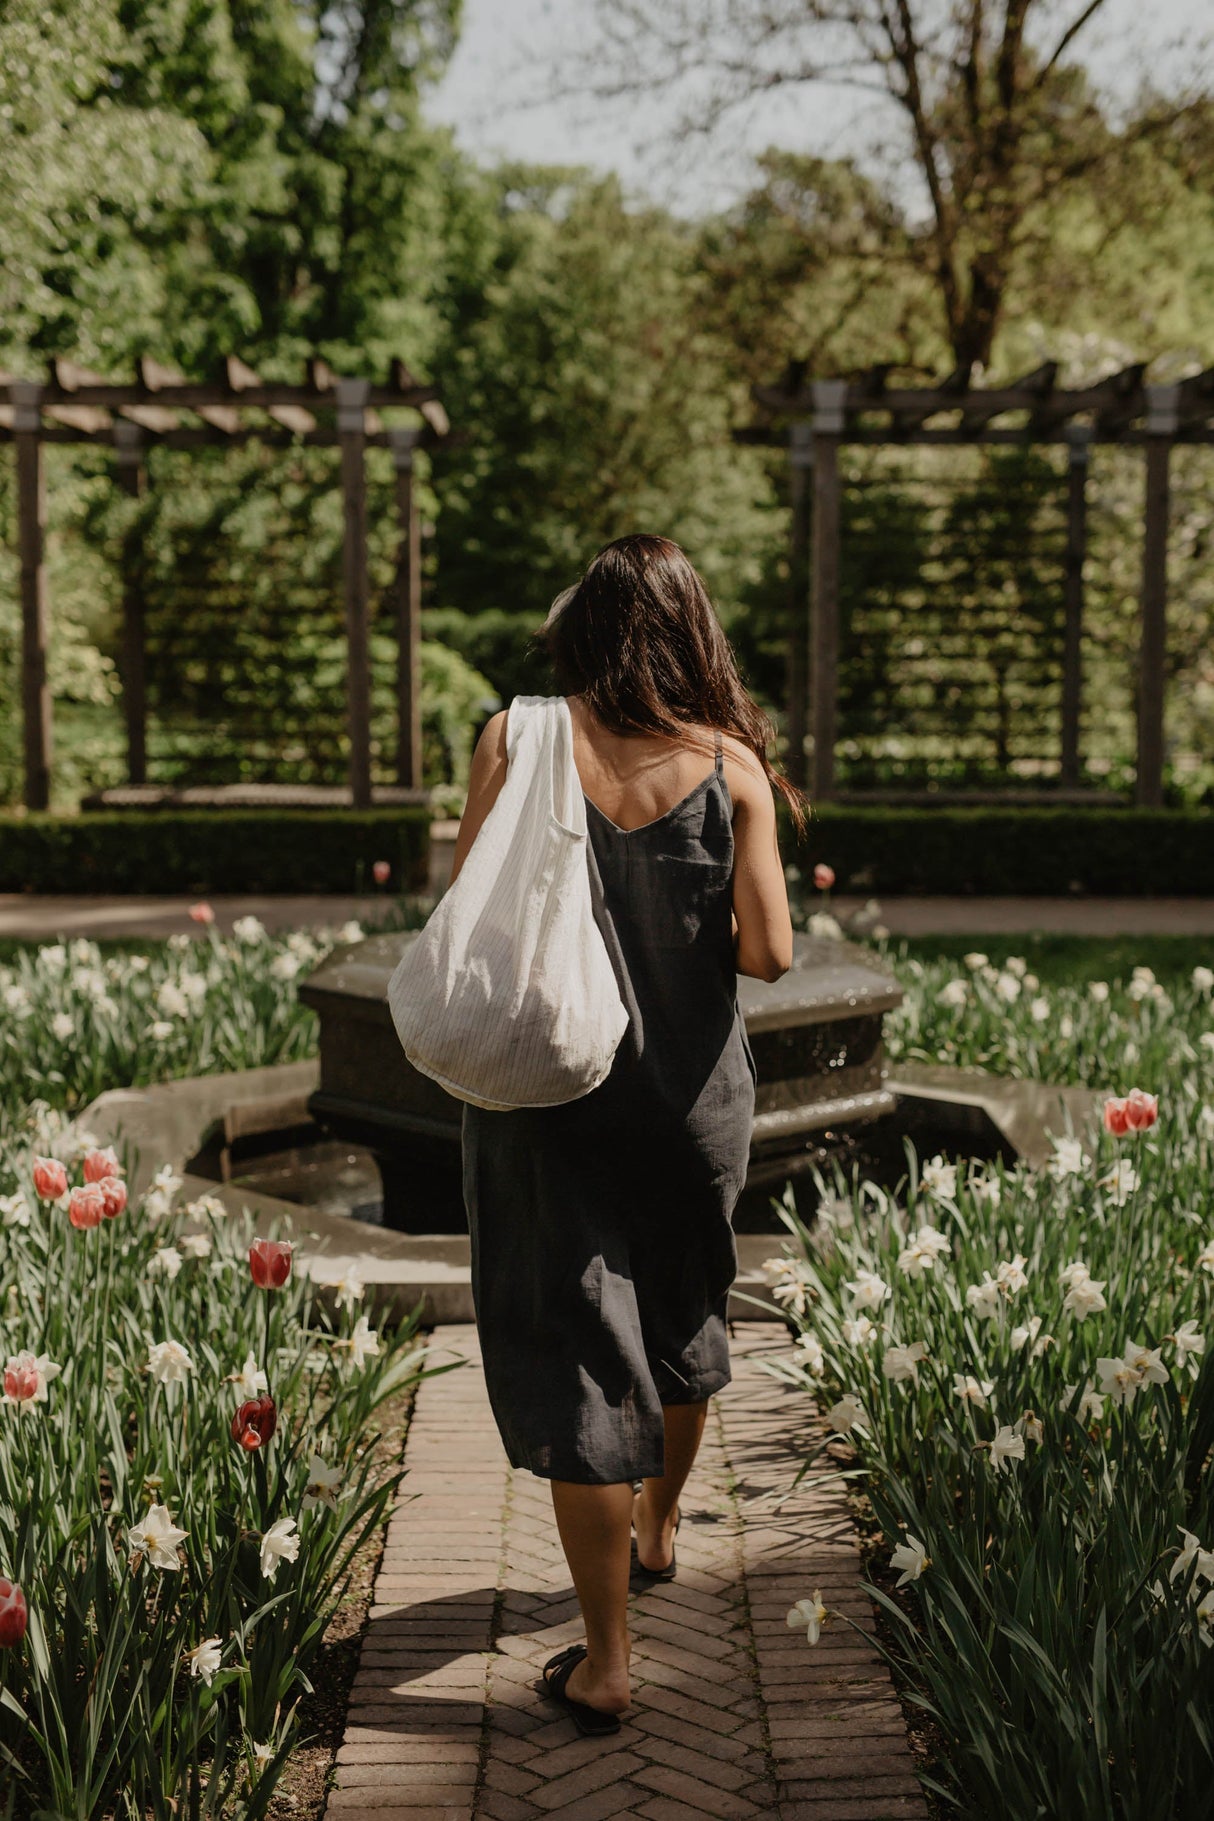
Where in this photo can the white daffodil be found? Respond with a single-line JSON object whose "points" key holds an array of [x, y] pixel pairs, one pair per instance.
{"points": [[1069, 1159], [249, 930], [1147, 1361], [911, 1557], [976, 961], [278, 1544], [972, 1390], [1190, 1552], [205, 1659], [323, 1482], [847, 1414], [1008, 988], [1017, 966], [263, 1756], [922, 1250], [15, 1209], [986, 1190], [1070, 1273], [157, 1538], [1039, 1009], [1205, 1617], [859, 1331], [954, 994], [1186, 1341], [1205, 1258], [165, 1261], [1030, 1332], [984, 1299], [1030, 1426], [812, 1357], [1091, 1404], [836, 1213], [1010, 1275], [867, 1289], [158, 1200], [343, 1277], [900, 1363], [363, 1342], [808, 1616], [169, 1361], [1085, 1297], [1098, 990], [195, 1245], [1007, 1446], [1120, 1182], [1203, 979], [250, 1381], [939, 1179]]}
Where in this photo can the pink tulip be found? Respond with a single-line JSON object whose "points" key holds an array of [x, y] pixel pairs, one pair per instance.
{"points": [[13, 1614], [113, 1196], [50, 1178], [202, 913], [824, 876], [382, 871], [1141, 1110], [270, 1263], [87, 1205], [101, 1163], [1115, 1120], [21, 1378]]}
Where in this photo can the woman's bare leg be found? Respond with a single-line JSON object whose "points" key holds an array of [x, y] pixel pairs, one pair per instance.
{"points": [[657, 1504], [595, 1523]]}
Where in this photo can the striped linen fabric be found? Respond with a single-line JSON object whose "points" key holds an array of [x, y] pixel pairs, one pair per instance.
{"points": [[507, 997]]}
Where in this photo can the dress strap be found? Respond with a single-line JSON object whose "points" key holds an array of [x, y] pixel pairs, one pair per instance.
{"points": [[717, 737]]}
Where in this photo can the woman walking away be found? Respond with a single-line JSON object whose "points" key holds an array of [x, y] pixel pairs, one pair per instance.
{"points": [[602, 1249]]}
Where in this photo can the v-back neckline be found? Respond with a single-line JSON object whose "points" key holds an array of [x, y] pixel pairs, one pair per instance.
{"points": [[664, 817]]}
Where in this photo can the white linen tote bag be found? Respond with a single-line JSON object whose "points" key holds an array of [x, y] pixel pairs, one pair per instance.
{"points": [[507, 997]]}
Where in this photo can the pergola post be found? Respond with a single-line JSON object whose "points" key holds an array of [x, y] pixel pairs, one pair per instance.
{"points": [[352, 436], [1079, 438], [408, 611], [26, 398], [130, 471], [1162, 421], [829, 396], [800, 464]]}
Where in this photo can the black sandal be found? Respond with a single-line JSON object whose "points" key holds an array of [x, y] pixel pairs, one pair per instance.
{"points": [[641, 1576], [591, 1721]]}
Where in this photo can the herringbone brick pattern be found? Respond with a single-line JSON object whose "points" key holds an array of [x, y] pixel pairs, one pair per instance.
{"points": [[734, 1714]]}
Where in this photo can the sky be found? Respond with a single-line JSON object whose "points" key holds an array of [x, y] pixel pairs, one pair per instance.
{"points": [[493, 95]]}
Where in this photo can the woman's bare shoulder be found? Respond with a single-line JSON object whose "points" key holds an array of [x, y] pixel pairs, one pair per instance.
{"points": [[744, 773]]}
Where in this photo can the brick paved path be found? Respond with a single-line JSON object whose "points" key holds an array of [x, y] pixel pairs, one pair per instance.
{"points": [[733, 1714]]}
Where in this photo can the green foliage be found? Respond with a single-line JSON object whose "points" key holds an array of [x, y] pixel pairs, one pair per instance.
{"points": [[1017, 852], [199, 850]]}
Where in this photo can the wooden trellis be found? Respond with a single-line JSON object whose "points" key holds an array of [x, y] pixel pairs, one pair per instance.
{"points": [[164, 409], [814, 418]]}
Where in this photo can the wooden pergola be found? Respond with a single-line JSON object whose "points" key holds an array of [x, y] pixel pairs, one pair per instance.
{"points": [[815, 418], [164, 409]]}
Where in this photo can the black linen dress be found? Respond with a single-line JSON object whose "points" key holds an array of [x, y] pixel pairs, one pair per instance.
{"points": [[602, 1249]]}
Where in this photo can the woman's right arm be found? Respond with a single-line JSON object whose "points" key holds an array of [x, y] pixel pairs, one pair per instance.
{"points": [[761, 918]]}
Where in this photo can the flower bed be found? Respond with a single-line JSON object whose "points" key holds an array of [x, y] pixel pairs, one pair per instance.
{"points": [[1018, 1364], [186, 1473]]}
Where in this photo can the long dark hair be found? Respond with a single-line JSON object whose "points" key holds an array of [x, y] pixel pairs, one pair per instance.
{"points": [[638, 638]]}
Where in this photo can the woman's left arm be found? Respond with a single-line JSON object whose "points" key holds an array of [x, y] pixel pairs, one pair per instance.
{"points": [[486, 775]]}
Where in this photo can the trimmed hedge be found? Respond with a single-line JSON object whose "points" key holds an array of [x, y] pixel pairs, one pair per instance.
{"points": [[207, 850], [1012, 852]]}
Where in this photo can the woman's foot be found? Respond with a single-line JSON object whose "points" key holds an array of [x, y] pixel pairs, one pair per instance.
{"points": [[655, 1542], [604, 1688]]}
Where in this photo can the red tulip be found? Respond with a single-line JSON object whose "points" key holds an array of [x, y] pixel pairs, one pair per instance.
{"points": [[21, 1378], [382, 871], [113, 1196], [87, 1205], [1115, 1120], [824, 876], [13, 1614], [254, 1423], [50, 1178], [101, 1163], [270, 1263], [1141, 1110], [202, 913]]}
